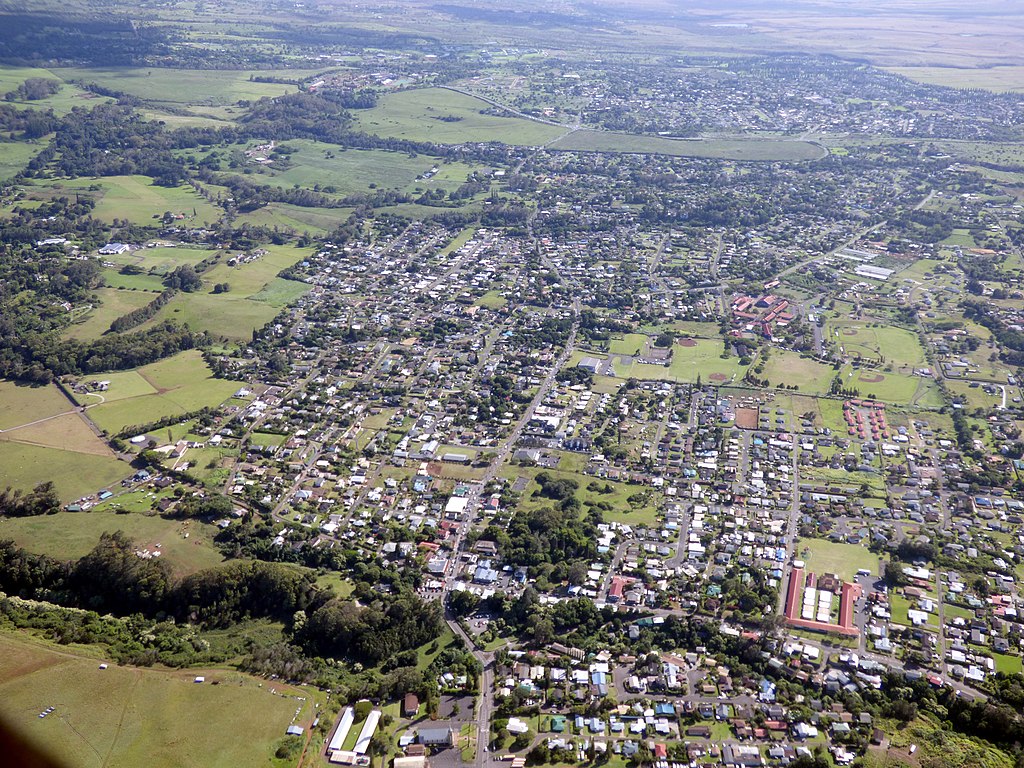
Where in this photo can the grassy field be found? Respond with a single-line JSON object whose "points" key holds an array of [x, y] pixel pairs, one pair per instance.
{"points": [[80, 531], [895, 345], [785, 367], [255, 297], [181, 86], [162, 260], [15, 155], [20, 405], [138, 200], [688, 362], [844, 560], [727, 149], [1001, 79], [125, 716], [284, 216], [436, 114], [74, 474], [176, 385], [114, 304]]}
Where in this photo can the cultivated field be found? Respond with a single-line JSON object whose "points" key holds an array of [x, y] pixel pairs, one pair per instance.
{"points": [[435, 114], [729, 149], [172, 386], [125, 716]]}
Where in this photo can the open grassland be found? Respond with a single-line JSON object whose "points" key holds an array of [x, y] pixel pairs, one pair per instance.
{"points": [[80, 532], [20, 405], [16, 155], [138, 199], [897, 346], [113, 304], [62, 102], [255, 297], [125, 716], [728, 149], [112, 278], [844, 560], [176, 385], [286, 217], [447, 117], [73, 473], [182, 86], [893, 388], [67, 433], [162, 260], [785, 368]]}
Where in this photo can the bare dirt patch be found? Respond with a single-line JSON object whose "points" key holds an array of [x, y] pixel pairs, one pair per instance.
{"points": [[872, 378], [687, 343], [746, 418]]}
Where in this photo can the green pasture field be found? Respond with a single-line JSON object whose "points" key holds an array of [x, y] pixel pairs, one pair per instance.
{"points": [[20, 405], [71, 535], [266, 438], [114, 304], [786, 368], [416, 114], [73, 473], [894, 388], [996, 153], [62, 102], [112, 278], [173, 121], [844, 560], [162, 260], [622, 511], [976, 397], [896, 345], [843, 479], [138, 199], [127, 716], [16, 155], [727, 149], [285, 216], [183, 86], [687, 364], [492, 300], [255, 296], [67, 432], [175, 385]]}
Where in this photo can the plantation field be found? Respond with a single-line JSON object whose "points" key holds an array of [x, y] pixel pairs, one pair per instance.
{"points": [[126, 716], [169, 387], [114, 304], [182, 86], [788, 368], [447, 117], [728, 149], [703, 359], [844, 560], [80, 531], [20, 405], [73, 473], [15, 156]]}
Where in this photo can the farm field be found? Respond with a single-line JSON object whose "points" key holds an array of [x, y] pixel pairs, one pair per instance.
{"points": [[790, 368], [844, 560], [80, 531], [1001, 78], [126, 716], [447, 117], [20, 405], [114, 304], [728, 149], [172, 386], [182, 86], [73, 473]]}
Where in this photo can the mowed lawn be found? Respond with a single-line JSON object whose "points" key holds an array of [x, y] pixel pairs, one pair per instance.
{"points": [[895, 388], [126, 716], [788, 368], [844, 560], [436, 114], [894, 345], [177, 385], [71, 535], [691, 358], [255, 296]]}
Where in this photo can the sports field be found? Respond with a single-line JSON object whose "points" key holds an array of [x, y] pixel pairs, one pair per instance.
{"points": [[727, 149], [897, 346], [844, 560], [790, 368], [126, 716], [175, 385], [691, 358], [446, 117]]}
